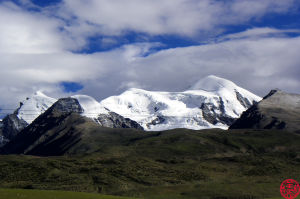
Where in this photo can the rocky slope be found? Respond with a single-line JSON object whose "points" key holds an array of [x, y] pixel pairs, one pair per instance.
{"points": [[212, 102], [278, 110]]}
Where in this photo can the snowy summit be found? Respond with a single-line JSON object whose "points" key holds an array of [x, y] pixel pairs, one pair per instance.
{"points": [[34, 105], [212, 102]]}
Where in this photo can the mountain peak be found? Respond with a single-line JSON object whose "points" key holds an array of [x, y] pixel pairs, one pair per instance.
{"points": [[212, 83], [40, 93], [35, 105]]}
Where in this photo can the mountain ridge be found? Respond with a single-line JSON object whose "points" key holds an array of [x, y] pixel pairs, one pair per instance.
{"points": [[148, 110]]}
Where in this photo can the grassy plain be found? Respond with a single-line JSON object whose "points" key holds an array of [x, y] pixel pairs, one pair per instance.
{"points": [[176, 164]]}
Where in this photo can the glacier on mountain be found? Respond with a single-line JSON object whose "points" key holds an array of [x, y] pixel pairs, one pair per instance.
{"points": [[212, 102]]}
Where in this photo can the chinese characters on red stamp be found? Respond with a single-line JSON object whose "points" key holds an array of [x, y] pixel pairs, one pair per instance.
{"points": [[289, 189]]}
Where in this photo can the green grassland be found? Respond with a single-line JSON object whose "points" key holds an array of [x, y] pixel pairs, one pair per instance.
{"points": [[176, 164]]}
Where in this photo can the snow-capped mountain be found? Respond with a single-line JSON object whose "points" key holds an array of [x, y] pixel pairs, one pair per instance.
{"points": [[28, 110], [212, 102], [34, 106], [38, 103]]}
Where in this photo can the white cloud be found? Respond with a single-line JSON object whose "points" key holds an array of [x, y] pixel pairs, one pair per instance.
{"points": [[256, 8], [183, 17], [23, 32], [256, 33], [256, 64], [259, 65], [35, 48]]}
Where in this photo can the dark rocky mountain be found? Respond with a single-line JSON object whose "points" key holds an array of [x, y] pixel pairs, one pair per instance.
{"points": [[10, 126], [60, 128], [277, 110], [3, 140]]}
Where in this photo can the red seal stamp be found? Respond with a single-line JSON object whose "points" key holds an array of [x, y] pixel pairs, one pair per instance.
{"points": [[289, 189]]}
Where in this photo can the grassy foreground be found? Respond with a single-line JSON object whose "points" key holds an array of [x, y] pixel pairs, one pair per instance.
{"points": [[178, 164], [40, 194]]}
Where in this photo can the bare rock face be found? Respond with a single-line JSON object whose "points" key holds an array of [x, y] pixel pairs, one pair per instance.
{"points": [[216, 114], [67, 105], [277, 110], [243, 100], [114, 120], [10, 126]]}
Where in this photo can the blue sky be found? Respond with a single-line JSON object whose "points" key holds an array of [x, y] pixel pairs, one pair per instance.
{"points": [[273, 20], [103, 47]]}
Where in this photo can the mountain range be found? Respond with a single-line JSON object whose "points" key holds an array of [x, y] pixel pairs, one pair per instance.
{"points": [[212, 102]]}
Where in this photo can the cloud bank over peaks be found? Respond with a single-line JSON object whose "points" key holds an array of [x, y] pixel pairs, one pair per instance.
{"points": [[41, 47]]}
